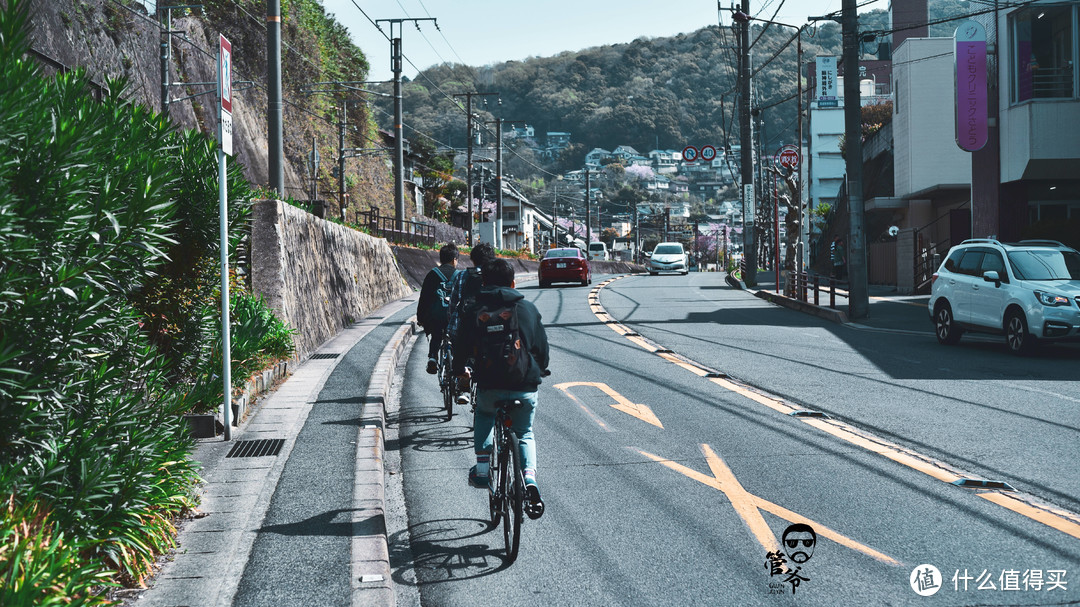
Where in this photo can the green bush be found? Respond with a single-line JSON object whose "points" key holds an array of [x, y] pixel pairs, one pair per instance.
{"points": [[89, 431]]}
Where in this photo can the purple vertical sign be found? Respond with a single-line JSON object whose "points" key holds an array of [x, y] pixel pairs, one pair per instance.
{"points": [[970, 65]]}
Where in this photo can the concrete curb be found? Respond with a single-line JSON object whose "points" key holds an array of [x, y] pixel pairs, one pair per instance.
{"points": [[837, 316], [370, 555]]}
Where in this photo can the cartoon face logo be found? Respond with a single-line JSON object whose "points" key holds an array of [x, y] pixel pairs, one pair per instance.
{"points": [[799, 540]]}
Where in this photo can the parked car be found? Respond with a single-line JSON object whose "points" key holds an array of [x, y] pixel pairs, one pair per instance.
{"points": [[564, 265], [598, 251], [668, 257], [1028, 291]]}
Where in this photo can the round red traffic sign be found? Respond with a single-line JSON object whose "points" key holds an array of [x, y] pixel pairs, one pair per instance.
{"points": [[788, 157], [708, 153], [689, 153]]}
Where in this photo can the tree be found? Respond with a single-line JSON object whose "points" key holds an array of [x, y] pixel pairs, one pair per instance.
{"points": [[437, 170]]}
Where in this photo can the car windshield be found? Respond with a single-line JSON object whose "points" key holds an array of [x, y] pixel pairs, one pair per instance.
{"points": [[668, 249], [561, 253], [1046, 264]]}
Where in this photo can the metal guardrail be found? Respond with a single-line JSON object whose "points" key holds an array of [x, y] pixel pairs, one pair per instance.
{"points": [[385, 226], [809, 285]]}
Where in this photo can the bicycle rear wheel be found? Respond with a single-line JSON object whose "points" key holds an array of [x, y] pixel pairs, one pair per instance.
{"points": [[512, 489], [446, 382], [494, 507]]}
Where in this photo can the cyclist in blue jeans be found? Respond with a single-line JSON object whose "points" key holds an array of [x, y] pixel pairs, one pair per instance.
{"points": [[498, 292]]}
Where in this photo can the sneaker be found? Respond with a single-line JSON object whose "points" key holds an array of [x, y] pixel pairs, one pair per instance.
{"points": [[477, 481], [432, 366], [534, 506], [463, 398]]}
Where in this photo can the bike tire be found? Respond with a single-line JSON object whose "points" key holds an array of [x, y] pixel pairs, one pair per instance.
{"points": [[512, 496], [446, 382], [494, 508]]}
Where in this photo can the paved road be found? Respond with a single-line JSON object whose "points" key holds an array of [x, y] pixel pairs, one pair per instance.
{"points": [[666, 486]]}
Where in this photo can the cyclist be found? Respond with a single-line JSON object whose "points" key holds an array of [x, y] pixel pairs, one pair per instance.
{"points": [[499, 293], [466, 285], [433, 308]]}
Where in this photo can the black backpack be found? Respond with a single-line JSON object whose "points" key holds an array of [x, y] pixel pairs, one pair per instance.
{"points": [[502, 356], [440, 305]]}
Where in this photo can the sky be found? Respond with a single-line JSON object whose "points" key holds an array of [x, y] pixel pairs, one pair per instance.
{"points": [[482, 32]]}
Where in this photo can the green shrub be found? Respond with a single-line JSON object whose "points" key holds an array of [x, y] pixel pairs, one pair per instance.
{"points": [[89, 429]]}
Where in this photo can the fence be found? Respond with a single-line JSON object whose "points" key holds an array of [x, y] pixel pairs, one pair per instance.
{"points": [[809, 285], [385, 226]]}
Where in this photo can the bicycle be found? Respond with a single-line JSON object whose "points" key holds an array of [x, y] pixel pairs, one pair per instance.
{"points": [[506, 480], [447, 381]]}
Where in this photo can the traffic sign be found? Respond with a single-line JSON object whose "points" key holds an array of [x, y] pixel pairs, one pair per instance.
{"points": [[225, 90], [689, 153], [708, 152], [788, 157]]}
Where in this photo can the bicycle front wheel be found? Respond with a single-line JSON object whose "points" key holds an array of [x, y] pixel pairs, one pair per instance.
{"points": [[512, 486]]}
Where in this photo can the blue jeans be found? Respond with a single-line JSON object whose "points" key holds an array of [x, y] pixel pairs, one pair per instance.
{"points": [[521, 422]]}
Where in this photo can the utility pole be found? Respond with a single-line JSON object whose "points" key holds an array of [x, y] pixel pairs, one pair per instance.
{"points": [[165, 15], [341, 158], [469, 118], [555, 218], [746, 140], [273, 97], [858, 295], [399, 134], [498, 186]]}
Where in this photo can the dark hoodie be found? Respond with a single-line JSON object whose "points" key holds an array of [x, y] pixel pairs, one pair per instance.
{"points": [[532, 333]]}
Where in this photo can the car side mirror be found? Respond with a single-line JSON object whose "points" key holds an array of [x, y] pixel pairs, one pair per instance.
{"points": [[992, 276]]}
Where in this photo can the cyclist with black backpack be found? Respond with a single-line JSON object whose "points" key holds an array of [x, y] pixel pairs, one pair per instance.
{"points": [[504, 337], [463, 291], [433, 307]]}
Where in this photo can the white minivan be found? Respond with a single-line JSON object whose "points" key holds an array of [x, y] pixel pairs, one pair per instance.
{"points": [[598, 251]]}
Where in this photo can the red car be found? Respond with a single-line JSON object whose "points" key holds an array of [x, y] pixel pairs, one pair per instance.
{"points": [[564, 265]]}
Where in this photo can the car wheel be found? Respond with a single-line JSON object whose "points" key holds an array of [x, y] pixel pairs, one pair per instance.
{"points": [[544, 285], [1019, 340], [652, 273], [685, 272], [945, 325]]}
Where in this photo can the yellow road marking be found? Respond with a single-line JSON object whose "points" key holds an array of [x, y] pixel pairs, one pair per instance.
{"points": [[622, 403], [1059, 520], [586, 409], [771, 403], [749, 506], [893, 452]]}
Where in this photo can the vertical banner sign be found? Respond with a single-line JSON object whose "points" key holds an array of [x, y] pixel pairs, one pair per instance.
{"points": [[748, 203], [225, 90], [970, 66], [826, 82], [225, 70]]}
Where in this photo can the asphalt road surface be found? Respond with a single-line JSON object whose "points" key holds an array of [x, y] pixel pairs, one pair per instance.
{"points": [[671, 475]]}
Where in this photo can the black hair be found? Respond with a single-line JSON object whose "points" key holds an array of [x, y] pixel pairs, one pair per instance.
{"points": [[498, 273], [448, 253], [481, 254], [800, 527]]}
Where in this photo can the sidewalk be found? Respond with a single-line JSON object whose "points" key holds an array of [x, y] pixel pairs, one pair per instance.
{"points": [[888, 310], [304, 517]]}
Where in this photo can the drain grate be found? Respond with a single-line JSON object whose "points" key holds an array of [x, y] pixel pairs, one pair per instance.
{"points": [[324, 356], [265, 447]]}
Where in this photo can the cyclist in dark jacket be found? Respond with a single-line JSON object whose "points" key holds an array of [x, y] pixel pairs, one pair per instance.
{"points": [[432, 317], [498, 292], [463, 291]]}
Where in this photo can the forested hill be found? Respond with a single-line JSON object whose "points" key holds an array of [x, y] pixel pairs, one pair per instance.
{"points": [[649, 93]]}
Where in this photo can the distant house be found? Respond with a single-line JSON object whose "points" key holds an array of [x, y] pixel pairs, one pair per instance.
{"points": [[595, 158], [665, 161], [558, 140]]}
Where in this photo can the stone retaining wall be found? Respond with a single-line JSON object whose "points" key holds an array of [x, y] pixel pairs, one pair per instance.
{"points": [[318, 276]]}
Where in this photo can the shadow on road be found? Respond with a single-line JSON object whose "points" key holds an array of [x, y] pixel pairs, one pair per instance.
{"points": [[438, 551]]}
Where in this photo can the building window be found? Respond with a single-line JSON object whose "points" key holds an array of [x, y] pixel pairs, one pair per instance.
{"points": [[1044, 55], [509, 215]]}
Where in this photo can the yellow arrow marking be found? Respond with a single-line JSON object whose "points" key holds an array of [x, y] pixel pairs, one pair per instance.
{"points": [[749, 506], [622, 403]]}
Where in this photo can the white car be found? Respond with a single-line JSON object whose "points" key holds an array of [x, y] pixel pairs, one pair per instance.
{"points": [[1028, 291], [668, 257]]}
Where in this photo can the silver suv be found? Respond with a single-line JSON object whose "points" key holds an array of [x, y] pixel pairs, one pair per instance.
{"points": [[1028, 291]]}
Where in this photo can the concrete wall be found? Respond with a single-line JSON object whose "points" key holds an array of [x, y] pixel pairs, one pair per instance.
{"points": [[319, 276], [924, 124]]}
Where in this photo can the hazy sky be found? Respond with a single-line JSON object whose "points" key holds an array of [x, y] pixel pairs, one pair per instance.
{"points": [[479, 32]]}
